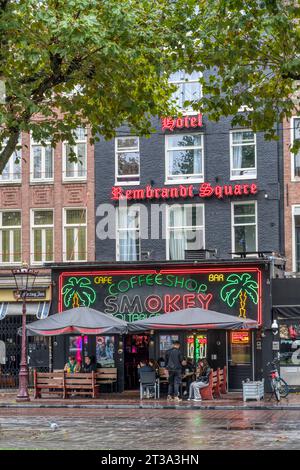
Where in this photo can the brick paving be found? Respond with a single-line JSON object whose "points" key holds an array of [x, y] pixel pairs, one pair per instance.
{"points": [[131, 400], [149, 429]]}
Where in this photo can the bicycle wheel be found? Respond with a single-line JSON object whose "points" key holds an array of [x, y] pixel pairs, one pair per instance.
{"points": [[275, 388], [283, 388]]}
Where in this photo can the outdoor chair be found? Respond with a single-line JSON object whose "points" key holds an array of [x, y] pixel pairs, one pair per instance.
{"points": [[148, 381]]}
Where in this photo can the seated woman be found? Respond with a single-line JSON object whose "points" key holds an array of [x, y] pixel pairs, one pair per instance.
{"points": [[72, 366], [202, 379], [88, 365]]}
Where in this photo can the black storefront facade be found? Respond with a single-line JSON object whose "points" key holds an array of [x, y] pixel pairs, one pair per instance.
{"points": [[134, 291], [286, 311]]}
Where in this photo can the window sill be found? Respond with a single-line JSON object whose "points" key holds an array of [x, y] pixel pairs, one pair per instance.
{"points": [[41, 182], [11, 183], [127, 183], [236, 178], [74, 180], [189, 181]]}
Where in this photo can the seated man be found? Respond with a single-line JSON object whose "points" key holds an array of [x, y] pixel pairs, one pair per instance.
{"points": [[188, 373], [202, 378], [145, 368], [88, 365]]}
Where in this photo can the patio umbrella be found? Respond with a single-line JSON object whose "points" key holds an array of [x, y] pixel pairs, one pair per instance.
{"points": [[192, 318], [79, 320]]}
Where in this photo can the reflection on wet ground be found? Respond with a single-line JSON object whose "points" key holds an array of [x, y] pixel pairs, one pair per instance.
{"points": [[144, 429]]}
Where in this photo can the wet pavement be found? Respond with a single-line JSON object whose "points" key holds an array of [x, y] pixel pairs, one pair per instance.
{"points": [[143, 429]]}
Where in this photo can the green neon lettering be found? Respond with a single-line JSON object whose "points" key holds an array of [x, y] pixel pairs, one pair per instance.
{"points": [[149, 280]]}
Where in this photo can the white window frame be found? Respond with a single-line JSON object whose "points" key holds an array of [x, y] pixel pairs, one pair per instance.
{"points": [[77, 164], [231, 144], [125, 230], [43, 165], [183, 179], [188, 112], [188, 227], [292, 155], [294, 210], [132, 149], [10, 164], [236, 203], [75, 226], [41, 227], [10, 228]]}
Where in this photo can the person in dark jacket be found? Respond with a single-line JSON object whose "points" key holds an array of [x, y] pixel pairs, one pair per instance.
{"points": [[88, 366], [142, 366], [174, 359], [202, 378]]}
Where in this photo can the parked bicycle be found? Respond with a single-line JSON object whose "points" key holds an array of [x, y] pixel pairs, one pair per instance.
{"points": [[279, 386]]}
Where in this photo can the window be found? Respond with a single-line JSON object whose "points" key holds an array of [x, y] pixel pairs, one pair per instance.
{"points": [[295, 156], [105, 351], [76, 169], [75, 247], [185, 230], [296, 237], [128, 234], [41, 162], [127, 160], [289, 333], [188, 89], [243, 154], [184, 158], [10, 237], [244, 227], [12, 170], [42, 236]]}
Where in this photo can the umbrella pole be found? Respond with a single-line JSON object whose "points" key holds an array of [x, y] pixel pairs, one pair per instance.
{"points": [[50, 354]]}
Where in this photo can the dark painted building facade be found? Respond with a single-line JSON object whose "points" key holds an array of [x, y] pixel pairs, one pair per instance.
{"points": [[245, 222]]}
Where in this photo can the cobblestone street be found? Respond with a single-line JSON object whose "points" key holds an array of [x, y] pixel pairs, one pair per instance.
{"points": [[144, 429]]}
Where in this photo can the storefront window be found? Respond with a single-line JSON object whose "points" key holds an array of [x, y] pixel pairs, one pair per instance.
{"points": [[77, 347], [240, 347], [105, 351], [165, 343], [289, 344], [197, 347]]}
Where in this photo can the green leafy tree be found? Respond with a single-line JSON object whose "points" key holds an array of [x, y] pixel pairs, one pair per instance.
{"points": [[250, 51], [78, 292], [105, 62], [239, 288]]}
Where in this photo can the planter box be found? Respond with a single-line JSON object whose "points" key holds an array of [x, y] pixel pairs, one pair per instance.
{"points": [[253, 390]]}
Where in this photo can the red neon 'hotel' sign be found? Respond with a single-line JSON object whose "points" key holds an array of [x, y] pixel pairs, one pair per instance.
{"points": [[169, 123]]}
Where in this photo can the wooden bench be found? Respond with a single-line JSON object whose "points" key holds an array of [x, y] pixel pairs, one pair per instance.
{"points": [[217, 384], [48, 382], [81, 384], [107, 376]]}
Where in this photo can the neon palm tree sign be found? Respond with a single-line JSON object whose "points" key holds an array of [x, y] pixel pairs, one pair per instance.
{"points": [[77, 292], [240, 287]]}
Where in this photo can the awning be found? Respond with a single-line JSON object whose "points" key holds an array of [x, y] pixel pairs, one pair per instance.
{"points": [[39, 309], [193, 318], [80, 320], [286, 311]]}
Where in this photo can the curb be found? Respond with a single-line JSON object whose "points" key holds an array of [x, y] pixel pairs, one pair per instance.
{"points": [[150, 407]]}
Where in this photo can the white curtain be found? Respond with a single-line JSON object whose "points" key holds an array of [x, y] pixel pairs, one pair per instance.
{"points": [[237, 138], [128, 232], [177, 240]]}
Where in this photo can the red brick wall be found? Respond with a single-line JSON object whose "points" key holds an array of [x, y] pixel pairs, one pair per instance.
{"points": [[291, 194], [57, 196]]}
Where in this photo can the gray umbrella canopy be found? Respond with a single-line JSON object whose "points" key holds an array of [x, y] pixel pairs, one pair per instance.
{"points": [[192, 318], [79, 320]]}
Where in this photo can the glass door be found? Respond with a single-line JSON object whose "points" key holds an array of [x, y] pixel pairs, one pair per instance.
{"points": [[239, 358]]}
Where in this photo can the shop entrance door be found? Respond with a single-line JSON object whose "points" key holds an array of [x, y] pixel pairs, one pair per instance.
{"points": [[136, 350], [77, 346], [240, 359], [197, 346]]}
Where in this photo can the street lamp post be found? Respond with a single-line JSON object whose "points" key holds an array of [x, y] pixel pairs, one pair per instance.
{"points": [[24, 279]]}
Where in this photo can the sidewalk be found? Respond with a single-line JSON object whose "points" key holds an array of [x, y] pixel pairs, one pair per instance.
{"points": [[130, 400]]}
